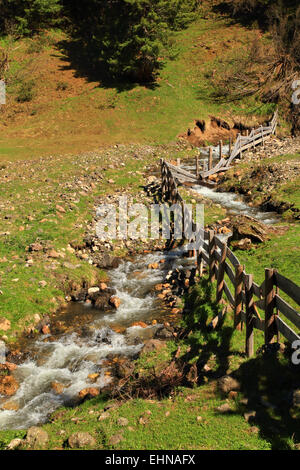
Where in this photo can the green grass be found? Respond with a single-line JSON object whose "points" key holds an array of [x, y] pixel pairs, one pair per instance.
{"points": [[192, 410]]}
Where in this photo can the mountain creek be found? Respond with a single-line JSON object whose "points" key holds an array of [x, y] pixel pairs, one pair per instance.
{"points": [[63, 365]]}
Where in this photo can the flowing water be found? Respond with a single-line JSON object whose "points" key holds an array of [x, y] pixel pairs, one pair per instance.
{"points": [[235, 204], [68, 359], [230, 201]]}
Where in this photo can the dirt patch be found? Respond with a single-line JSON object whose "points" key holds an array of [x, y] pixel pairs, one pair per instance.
{"points": [[213, 130]]}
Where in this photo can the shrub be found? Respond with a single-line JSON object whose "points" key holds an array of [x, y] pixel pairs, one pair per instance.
{"points": [[26, 91]]}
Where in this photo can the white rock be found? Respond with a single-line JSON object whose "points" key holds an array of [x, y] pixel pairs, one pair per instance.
{"points": [[93, 290], [14, 444]]}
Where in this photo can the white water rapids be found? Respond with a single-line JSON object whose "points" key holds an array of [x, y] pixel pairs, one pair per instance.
{"points": [[70, 358], [235, 205]]}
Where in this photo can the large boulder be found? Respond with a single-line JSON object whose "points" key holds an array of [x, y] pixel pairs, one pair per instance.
{"points": [[36, 437], [244, 226]]}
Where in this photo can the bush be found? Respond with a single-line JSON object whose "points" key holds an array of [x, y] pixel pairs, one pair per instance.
{"points": [[62, 86], [26, 91], [26, 17]]}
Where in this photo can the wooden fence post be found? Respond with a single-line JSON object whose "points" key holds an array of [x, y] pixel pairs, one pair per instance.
{"points": [[178, 161], [220, 149], [200, 263], [211, 253], [197, 166], [221, 272], [262, 136], [240, 145], [248, 281], [270, 326], [238, 296], [210, 158], [230, 145]]}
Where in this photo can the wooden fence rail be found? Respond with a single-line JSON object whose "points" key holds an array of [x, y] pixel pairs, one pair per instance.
{"points": [[257, 306], [243, 143]]}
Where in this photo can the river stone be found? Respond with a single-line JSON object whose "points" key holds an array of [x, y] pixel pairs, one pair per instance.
{"points": [[93, 290], [36, 437], [8, 385], [164, 333], [88, 393], [244, 226], [14, 444], [81, 439], [115, 301], [153, 345]]}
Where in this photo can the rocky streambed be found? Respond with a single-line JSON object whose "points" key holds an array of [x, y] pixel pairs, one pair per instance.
{"points": [[84, 348]]}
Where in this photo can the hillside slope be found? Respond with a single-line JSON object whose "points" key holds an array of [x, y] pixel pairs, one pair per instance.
{"points": [[55, 105]]}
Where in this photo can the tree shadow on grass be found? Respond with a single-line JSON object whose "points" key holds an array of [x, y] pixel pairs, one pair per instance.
{"points": [[267, 383], [204, 342], [77, 57]]}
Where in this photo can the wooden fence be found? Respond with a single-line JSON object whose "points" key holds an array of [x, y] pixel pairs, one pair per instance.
{"points": [[246, 297], [243, 143]]}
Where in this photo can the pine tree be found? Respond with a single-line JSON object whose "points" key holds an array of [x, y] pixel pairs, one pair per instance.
{"points": [[126, 37], [26, 17]]}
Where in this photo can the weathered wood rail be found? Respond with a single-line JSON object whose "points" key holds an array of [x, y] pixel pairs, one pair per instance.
{"points": [[256, 306], [243, 143]]}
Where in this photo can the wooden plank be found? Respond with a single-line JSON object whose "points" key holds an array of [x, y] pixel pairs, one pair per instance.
{"points": [[230, 273], [288, 286], [260, 304], [212, 249], [214, 170], [220, 279], [287, 310], [218, 242], [179, 170], [270, 325], [256, 290], [205, 257], [248, 280], [232, 258], [258, 324], [286, 331], [228, 293], [238, 294]]}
